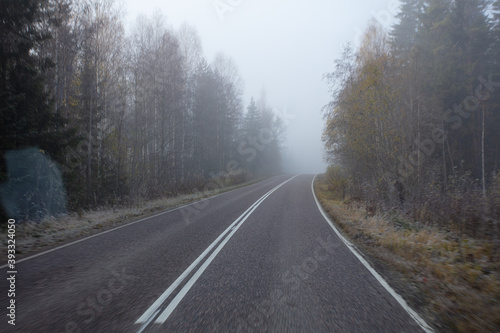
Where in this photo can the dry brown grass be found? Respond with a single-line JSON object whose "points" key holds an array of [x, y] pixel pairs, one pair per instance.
{"points": [[459, 278]]}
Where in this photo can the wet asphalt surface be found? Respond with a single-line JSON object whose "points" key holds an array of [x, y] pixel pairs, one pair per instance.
{"points": [[282, 270]]}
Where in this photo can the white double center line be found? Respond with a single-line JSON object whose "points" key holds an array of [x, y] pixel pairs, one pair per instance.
{"points": [[153, 310]]}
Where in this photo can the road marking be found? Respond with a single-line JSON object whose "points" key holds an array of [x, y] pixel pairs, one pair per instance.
{"points": [[420, 321], [179, 280], [153, 309], [119, 227], [171, 307], [148, 321]]}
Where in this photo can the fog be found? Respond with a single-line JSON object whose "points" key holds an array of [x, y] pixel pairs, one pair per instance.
{"points": [[280, 47]]}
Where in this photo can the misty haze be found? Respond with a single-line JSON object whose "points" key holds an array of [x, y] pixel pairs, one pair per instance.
{"points": [[250, 166]]}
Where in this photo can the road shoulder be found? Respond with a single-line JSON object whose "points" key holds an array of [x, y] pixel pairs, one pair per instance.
{"points": [[33, 238], [423, 265]]}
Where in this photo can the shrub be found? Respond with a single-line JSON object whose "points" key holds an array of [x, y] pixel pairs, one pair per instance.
{"points": [[337, 182]]}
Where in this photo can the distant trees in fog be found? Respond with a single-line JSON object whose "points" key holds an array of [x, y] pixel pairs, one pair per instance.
{"points": [[126, 116]]}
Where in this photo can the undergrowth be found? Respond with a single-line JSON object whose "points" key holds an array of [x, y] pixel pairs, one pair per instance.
{"points": [[458, 276]]}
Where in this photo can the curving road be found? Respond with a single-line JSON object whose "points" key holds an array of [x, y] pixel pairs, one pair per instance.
{"points": [[258, 259]]}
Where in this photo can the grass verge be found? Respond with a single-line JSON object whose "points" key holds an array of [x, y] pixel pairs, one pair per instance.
{"points": [[36, 237], [454, 282]]}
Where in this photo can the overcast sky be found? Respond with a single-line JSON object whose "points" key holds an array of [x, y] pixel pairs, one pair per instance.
{"points": [[281, 46]]}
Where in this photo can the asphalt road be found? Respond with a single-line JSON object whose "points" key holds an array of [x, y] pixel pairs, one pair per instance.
{"points": [[257, 259]]}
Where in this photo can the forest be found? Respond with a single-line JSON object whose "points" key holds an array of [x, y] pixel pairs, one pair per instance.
{"points": [[414, 120], [93, 114]]}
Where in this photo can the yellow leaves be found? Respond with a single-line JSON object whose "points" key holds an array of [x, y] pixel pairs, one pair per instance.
{"points": [[366, 118], [72, 102]]}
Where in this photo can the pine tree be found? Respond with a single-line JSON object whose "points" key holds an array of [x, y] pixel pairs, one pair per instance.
{"points": [[434, 52], [27, 117], [496, 22], [471, 40], [493, 134], [252, 121], [205, 121], [403, 33], [249, 148]]}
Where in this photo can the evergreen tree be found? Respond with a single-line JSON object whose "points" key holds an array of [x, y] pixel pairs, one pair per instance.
{"points": [[270, 138], [471, 41], [493, 134], [205, 121], [403, 33], [27, 117], [252, 120], [496, 25], [249, 147]]}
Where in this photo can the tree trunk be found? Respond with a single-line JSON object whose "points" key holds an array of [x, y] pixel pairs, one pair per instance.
{"points": [[482, 155]]}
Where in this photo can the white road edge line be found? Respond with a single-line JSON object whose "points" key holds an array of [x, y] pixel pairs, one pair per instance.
{"points": [[153, 309], [143, 327], [119, 227], [420, 321], [178, 298]]}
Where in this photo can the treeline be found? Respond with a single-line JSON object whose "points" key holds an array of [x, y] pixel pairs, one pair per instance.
{"points": [[127, 116], [415, 117]]}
